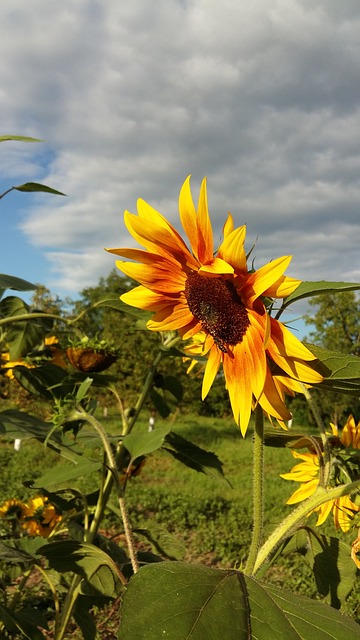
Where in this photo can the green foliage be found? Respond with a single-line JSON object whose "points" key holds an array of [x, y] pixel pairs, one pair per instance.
{"points": [[187, 601]]}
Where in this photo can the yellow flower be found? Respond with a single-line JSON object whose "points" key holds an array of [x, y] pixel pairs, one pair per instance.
{"points": [[12, 508], [9, 365], [40, 517], [307, 472], [350, 436], [217, 296]]}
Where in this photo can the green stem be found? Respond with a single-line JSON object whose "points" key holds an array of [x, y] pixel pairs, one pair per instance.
{"points": [[289, 525], [258, 490]]}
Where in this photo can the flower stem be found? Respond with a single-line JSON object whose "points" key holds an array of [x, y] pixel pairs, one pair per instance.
{"points": [[258, 490], [289, 525]]}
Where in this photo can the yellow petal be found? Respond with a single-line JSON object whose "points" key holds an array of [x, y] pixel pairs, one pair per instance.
{"points": [[188, 216], [262, 279], [205, 234], [211, 369], [144, 298], [307, 489], [228, 226], [282, 288], [238, 384], [216, 267], [232, 249]]}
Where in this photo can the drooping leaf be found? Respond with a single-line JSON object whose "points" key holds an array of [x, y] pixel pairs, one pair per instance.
{"points": [[13, 555], [330, 559], [47, 381], [36, 187], [22, 425], [99, 572], [17, 284], [309, 289], [141, 444], [176, 600], [193, 456]]}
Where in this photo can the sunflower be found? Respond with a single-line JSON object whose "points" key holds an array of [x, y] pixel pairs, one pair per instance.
{"points": [[307, 472], [12, 509], [40, 517], [196, 291]]}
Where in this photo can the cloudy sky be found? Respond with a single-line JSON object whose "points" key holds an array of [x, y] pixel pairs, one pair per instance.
{"points": [[130, 97]]}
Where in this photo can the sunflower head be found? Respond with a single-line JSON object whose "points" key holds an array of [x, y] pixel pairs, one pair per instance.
{"points": [[211, 296]]}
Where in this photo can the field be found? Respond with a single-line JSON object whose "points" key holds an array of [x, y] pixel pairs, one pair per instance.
{"points": [[195, 517]]}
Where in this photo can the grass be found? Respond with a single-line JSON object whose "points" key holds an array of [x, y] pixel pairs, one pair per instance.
{"points": [[201, 519]]}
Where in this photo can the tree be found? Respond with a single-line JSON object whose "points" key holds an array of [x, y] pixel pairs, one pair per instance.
{"points": [[336, 327]]}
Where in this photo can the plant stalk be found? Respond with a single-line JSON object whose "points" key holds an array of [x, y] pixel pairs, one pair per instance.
{"points": [[258, 490]]}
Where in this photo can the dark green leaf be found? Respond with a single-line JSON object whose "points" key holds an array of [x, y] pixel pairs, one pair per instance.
{"points": [[18, 424], [99, 572], [141, 444], [34, 186], [177, 601], [330, 560], [47, 381], [13, 555], [18, 284], [308, 289], [341, 371], [193, 456], [16, 623]]}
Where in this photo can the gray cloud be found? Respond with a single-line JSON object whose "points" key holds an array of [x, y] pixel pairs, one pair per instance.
{"points": [[131, 97]]}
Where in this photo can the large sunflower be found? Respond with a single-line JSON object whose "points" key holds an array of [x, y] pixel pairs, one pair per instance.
{"points": [[216, 296]]}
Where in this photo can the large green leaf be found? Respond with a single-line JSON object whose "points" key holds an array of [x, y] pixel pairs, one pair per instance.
{"points": [[309, 289], [141, 444], [330, 559], [178, 601], [47, 381], [99, 572], [193, 456], [341, 371], [36, 187]]}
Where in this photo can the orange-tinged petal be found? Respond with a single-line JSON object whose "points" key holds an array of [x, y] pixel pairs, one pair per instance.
{"points": [[145, 257], [344, 510], [286, 344], [238, 384], [157, 278], [155, 237], [271, 401], [262, 279], [205, 234], [232, 249], [170, 318], [211, 369]]}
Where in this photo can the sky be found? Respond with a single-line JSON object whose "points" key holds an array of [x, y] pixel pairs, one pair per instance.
{"points": [[130, 97]]}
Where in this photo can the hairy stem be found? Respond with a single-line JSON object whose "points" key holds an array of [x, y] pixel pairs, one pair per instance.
{"points": [[258, 490]]}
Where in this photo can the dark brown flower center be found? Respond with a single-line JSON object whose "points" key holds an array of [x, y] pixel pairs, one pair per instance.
{"points": [[215, 303]]}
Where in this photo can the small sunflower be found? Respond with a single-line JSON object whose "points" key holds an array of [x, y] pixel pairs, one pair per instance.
{"points": [[307, 472], [12, 509], [40, 517], [214, 298]]}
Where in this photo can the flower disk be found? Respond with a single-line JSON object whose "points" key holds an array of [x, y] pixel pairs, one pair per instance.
{"points": [[217, 305]]}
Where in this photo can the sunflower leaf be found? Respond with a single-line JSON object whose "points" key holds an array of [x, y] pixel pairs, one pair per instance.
{"points": [[141, 444], [178, 600], [18, 284], [193, 456], [309, 289], [36, 187], [334, 571], [23, 335], [19, 139], [341, 371]]}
